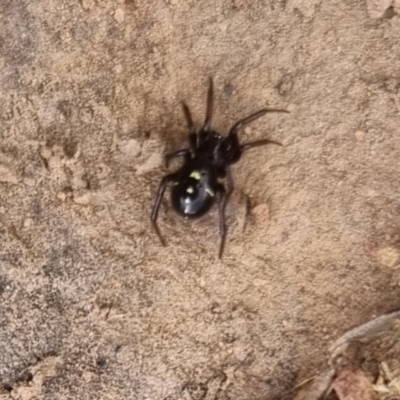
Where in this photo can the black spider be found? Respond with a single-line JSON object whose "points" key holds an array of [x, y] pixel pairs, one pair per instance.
{"points": [[195, 186]]}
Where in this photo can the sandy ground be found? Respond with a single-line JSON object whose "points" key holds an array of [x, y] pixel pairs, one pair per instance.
{"points": [[92, 306]]}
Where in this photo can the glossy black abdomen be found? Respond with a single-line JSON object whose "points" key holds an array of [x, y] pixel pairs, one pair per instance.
{"points": [[195, 190]]}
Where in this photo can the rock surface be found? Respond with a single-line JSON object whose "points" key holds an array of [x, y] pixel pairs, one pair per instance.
{"points": [[90, 97]]}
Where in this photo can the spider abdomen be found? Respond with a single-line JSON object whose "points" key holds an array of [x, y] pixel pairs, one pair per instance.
{"points": [[194, 192]]}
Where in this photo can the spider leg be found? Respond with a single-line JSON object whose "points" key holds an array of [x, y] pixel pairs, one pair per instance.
{"points": [[210, 98], [192, 131], [185, 153], [205, 130], [245, 121], [222, 202], [257, 143], [160, 193]]}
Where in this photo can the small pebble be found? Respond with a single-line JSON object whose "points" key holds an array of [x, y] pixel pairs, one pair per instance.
{"points": [[223, 26], [287, 324], [118, 69], [28, 222], [388, 256], [83, 199], [359, 135], [61, 196], [119, 15], [87, 376], [87, 4], [131, 147]]}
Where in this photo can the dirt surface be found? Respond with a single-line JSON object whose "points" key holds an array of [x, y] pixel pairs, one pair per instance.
{"points": [[92, 306]]}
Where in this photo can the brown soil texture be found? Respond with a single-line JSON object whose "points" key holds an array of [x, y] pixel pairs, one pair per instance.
{"points": [[92, 306]]}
